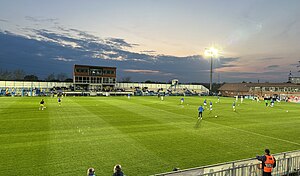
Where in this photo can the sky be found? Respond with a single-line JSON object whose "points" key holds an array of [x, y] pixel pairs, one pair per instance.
{"points": [[155, 40]]}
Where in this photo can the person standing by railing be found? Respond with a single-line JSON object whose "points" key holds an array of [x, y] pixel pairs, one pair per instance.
{"points": [[91, 172], [268, 163], [118, 171]]}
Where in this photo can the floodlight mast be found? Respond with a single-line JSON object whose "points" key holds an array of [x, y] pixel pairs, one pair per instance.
{"points": [[210, 77], [212, 52]]}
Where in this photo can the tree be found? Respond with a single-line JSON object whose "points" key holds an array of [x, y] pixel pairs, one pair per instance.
{"points": [[62, 76], [51, 77], [5, 75], [69, 80], [149, 81], [18, 74], [126, 79], [31, 78]]}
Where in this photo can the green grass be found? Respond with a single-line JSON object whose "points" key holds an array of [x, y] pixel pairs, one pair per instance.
{"points": [[143, 134]]}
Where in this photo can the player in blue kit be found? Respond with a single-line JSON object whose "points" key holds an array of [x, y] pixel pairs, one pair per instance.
{"points": [[200, 111], [182, 100]]}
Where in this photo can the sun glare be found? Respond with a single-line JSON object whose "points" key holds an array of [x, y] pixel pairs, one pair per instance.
{"points": [[211, 52]]}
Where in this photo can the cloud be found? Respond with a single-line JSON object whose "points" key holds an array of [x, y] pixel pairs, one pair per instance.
{"points": [[41, 19], [229, 65], [85, 35], [229, 59], [3, 20], [141, 71], [109, 57], [148, 51], [65, 45], [270, 58], [56, 50], [151, 72], [64, 59], [226, 62], [270, 67], [117, 42]]}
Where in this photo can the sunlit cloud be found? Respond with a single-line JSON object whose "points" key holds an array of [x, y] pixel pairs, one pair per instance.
{"points": [[107, 57], [68, 43], [117, 42], [63, 59], [141, 71], [148, 51]]}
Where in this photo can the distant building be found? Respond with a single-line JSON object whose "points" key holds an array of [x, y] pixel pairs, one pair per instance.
{"points": [[294, 80], [94, 78], [259, 89]]}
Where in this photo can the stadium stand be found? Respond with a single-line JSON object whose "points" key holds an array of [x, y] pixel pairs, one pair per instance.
{"points": [[27, 88]]}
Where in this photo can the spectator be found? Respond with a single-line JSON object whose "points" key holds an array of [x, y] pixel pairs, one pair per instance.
{"points": [[176, 169], [118, 170], [268, 163], [91, 172]]}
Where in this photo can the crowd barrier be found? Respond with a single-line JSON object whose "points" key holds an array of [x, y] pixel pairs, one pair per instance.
{"points": [[288, 163]]}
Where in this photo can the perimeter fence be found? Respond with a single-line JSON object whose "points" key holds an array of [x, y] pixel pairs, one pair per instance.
{"points": [[288, 163]]}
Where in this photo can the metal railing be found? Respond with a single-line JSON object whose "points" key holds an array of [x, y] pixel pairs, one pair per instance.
{"points": [[287, 163]]}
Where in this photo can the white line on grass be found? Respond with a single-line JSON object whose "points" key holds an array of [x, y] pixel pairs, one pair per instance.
{"points": [[250, 132]]}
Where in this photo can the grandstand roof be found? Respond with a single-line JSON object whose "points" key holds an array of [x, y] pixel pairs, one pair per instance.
{"points": [[93, 66]]}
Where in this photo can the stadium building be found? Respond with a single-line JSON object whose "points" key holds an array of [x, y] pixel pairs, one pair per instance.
{"points": [[37, 88], [260, 89], [94, 78]]}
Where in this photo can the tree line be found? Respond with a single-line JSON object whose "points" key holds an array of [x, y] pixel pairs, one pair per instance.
{"points": [[21, 75]]}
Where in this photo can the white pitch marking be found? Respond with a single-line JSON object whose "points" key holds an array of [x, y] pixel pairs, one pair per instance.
{"points": [[250, 132]]}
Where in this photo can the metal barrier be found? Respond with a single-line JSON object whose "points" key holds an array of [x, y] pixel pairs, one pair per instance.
{"points": [[287, 163]]}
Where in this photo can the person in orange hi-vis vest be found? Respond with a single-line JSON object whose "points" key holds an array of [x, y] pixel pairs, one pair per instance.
{"points": [[268, 163]]}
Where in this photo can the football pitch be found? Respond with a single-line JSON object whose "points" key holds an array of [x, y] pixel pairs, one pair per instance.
{"points": [[143, 134]]}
